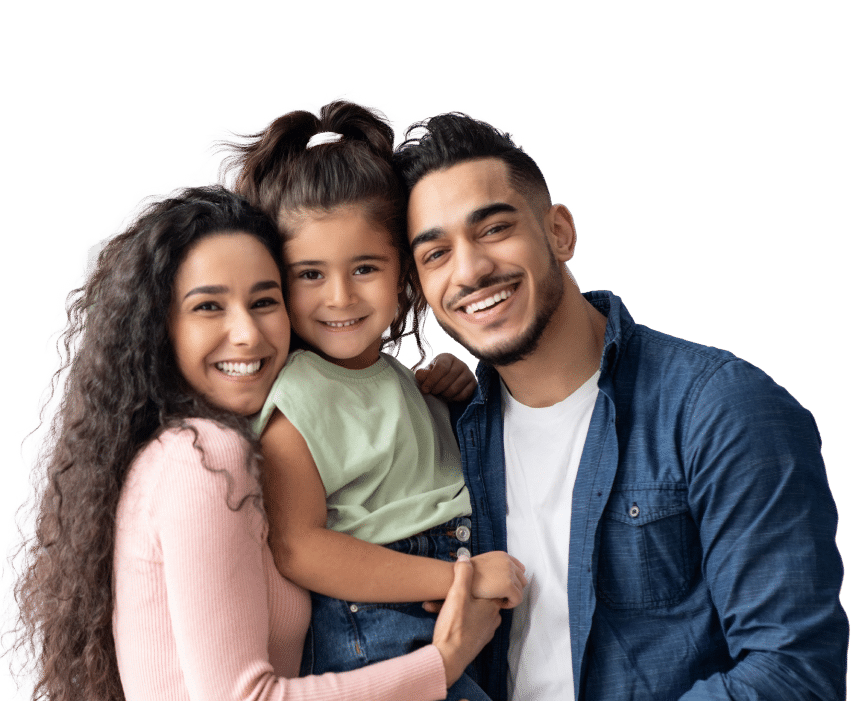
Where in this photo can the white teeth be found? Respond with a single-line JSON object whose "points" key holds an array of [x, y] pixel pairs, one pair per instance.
{"points": [[340, 324], [239, 369], [488, 302]]}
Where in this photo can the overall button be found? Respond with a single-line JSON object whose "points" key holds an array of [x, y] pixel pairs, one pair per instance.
{"points": [[354, 608], [463, 533], [463, 552]]}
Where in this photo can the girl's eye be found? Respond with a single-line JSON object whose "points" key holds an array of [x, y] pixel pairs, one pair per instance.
{"points": [[309, 275], [364, 270]]}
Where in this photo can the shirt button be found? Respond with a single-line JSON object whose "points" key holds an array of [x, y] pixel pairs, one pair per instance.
{"points": [[463, 552], [634, 512], [354, 608], [462, 533]]}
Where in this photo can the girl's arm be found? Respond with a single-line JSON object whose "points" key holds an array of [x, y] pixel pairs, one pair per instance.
{"points": [[344, 567]]}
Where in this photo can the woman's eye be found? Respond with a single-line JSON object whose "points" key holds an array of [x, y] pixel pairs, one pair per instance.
{"points": [[265, 302], [206, 307]]}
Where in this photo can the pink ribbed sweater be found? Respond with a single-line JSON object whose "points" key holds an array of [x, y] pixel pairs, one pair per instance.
{"points": [[201, 612]]}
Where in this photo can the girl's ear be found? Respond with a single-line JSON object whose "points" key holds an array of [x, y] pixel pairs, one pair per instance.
{"points": [[561, 232]]}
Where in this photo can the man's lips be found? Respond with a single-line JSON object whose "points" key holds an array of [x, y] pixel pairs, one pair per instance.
{"points": [[488, 300]]}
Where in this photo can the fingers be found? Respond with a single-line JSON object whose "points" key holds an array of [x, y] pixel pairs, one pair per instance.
{"points": [[447, 377], [432, 606]]}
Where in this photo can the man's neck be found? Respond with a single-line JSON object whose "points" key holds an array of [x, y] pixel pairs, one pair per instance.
{"points": [[568, 354]]}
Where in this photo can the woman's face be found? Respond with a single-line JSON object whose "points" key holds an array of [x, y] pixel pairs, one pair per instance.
{"points": [[228, 322]]}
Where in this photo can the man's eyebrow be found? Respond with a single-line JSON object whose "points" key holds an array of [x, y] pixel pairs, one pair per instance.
{"points": [[425, 237], [474, 218], [222, 289], [478, 215]]}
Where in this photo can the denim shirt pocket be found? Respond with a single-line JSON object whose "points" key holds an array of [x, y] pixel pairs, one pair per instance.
{"points": [[649, 550]]}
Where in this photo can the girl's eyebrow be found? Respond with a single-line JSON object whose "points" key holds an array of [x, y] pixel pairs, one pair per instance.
{"points": [[222, 289], [354, 259]]}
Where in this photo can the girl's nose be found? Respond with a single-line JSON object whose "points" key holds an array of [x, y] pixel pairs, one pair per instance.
{"points": [[340, 292]]}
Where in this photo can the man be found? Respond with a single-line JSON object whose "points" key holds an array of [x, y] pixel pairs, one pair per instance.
{"points": [[668, 499]]}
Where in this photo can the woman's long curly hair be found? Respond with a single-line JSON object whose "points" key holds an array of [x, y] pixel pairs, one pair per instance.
{"points": [[121, 388], [278, 173]]}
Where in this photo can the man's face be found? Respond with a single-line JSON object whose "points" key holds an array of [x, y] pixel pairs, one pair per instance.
{"points": [[484, 259]]}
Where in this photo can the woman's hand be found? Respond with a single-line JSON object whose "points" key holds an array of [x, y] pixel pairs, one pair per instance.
{"points": [[447, 377], [465, 624]]}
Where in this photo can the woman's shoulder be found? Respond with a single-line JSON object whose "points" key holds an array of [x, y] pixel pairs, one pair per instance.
{"points": [[199, 450], [213, 438]]}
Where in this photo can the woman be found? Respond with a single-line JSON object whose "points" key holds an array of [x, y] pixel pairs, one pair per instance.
{"points": [[149, 575]]}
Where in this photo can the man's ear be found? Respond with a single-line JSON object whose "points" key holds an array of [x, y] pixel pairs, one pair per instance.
{"points": [[561, 232]]}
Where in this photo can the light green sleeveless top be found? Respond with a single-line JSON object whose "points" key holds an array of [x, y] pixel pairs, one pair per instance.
{"points": [[386, 453]]}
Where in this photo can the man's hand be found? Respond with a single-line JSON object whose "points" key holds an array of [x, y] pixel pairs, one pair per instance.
{"points": [[447, 377]]}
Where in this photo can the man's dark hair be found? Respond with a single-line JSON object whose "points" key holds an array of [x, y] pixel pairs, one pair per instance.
{"points": [[449, 139]]}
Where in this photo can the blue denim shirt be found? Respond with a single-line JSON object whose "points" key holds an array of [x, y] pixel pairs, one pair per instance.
{"points": [[702, 559]]}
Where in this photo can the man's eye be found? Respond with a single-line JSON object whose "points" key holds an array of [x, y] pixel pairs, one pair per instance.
{"points": [[495, 229], [434, 255]]}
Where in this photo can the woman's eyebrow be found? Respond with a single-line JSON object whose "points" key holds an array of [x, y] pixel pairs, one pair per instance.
{"points": [[207, 290], [222, 289]]}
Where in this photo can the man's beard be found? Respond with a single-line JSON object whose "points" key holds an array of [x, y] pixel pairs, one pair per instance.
{"points": [[521, 347]]}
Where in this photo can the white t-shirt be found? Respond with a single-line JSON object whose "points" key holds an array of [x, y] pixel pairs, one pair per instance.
{"points": [[542, 450]]}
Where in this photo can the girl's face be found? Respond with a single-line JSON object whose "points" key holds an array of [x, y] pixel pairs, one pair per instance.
{"points": [[228, 321], [343, 281]]}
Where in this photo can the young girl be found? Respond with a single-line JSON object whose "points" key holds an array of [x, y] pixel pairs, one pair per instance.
{"points": [[149, 576], [356, 458]]}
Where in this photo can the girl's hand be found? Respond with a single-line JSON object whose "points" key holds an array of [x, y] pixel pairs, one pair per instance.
{"points": [[447, 377], [465, 624], [499, 576]]}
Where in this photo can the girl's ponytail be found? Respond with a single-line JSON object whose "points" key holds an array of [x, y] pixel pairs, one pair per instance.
{"points": [[357, 123]]}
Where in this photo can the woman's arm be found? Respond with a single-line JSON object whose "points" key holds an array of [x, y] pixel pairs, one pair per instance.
{"points": [[216, 587], [338, 565]]}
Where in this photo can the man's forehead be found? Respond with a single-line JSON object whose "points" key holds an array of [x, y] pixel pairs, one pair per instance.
{"points": [[445, 197]]}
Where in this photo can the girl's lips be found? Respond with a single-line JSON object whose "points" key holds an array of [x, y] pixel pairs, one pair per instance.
{"points": [[345, 325]]}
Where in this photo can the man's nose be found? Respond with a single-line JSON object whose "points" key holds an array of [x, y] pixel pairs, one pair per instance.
{"points": [[471, 264]]}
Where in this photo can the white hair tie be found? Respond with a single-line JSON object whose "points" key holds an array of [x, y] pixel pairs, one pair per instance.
{"points": [[324, 137]]}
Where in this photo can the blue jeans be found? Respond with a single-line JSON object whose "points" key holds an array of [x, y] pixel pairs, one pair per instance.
{"points": [[346, 635]]}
